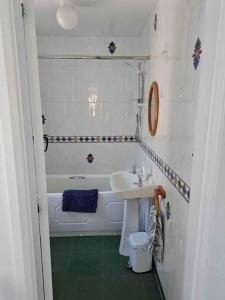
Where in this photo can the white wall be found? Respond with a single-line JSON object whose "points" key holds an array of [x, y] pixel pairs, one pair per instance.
{"points": [[216, 263], [216, 274], [180, 23], [88, 98]]}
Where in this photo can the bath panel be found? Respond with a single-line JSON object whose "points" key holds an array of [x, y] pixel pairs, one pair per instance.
{"points": [[107, 220]]}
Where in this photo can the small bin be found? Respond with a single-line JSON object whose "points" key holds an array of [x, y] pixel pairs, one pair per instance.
{"points": [[139, 257]]}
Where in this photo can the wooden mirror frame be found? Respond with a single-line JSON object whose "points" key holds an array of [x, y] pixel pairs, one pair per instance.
{"points": [[153, 92]]}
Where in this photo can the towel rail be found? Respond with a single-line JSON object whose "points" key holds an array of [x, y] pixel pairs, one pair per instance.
{"points": [[159, 191]]}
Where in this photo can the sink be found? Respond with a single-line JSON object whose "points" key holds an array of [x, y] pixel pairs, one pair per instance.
{"points": [[125, 185]]}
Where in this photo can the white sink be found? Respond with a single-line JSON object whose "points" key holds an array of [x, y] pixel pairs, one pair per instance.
{"points": [[125, 185]]}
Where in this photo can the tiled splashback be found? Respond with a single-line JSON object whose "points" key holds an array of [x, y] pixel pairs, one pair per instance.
{"points": [[71, 158], [171, 175]]}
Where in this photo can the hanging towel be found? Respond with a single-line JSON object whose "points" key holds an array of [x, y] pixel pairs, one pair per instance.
{"points": [[80, 201], [158, 250], [151, 228], [155, 235]]}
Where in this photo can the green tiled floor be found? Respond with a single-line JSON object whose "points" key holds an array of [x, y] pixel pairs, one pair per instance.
{"points": [[90, 268]]}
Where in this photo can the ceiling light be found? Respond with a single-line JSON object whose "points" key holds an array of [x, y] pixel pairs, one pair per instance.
{"points": [[67, 17]]}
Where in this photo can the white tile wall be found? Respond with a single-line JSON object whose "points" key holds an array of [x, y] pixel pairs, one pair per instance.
{"points": [[87, 98], [88, 45], [71, 158], [179, 25]]}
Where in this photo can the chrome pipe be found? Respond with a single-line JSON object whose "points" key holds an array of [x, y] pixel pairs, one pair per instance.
{"points": [[77, 177], [143, 58]]}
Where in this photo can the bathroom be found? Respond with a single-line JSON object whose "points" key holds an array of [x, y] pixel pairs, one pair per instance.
{"points": [[95, 81], [113, 98]]}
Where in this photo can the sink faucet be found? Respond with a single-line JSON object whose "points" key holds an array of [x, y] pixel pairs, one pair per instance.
{"points": [[140, 179]]}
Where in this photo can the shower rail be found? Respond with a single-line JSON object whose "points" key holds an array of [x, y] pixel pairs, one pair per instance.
{"points": [[143, 58], [77, 177]]}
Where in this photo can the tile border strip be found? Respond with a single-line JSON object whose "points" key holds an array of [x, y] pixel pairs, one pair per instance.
{"points": [[170, 174], [91, 139]]}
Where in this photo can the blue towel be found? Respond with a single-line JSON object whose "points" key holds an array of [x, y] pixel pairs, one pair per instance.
{"points": [[80, 200]]}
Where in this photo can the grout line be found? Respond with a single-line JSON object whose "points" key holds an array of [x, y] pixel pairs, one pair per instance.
{"points": [[158, 282], [69, 257], [159, 287]]}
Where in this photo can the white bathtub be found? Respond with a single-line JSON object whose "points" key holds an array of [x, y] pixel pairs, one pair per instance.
{"points": [[108, 218]]}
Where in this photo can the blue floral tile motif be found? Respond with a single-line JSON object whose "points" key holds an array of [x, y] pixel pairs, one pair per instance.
{"points": [[90, 158], [112, 47], [197, 53], [92, 139], [43, 119], [171, 175]]}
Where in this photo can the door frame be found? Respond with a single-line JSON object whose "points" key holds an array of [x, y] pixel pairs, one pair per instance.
{"points": [[36, 111], [207, 152], [22, 213], [18, 278]]}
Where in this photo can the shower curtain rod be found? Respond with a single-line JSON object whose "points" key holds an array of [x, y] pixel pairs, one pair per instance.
{"points": [[94, 57]]}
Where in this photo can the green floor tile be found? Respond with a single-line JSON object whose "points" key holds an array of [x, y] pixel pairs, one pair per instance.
{"points": [[123, 288], [61, 244], [90, 288], [115, 264], [60, 262], [86, 264], [111, 243], [151, 288], [58, 284], [87, 244], [91, 268]]}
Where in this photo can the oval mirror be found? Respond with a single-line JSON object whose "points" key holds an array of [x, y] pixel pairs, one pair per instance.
{"points": [[153, 108]]}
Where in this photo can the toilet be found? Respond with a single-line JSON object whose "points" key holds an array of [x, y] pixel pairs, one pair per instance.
{"points": [[140, 259]]}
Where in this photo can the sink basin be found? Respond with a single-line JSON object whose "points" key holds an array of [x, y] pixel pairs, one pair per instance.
{"points": [[125, 185]]}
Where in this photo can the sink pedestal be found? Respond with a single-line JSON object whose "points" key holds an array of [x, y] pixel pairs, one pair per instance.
{"points": [[125, 185], [130, 223]]}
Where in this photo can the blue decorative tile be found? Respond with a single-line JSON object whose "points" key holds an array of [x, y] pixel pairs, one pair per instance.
{"points": [[112, 47], [197, 53], [90, 158], [171, 175]]}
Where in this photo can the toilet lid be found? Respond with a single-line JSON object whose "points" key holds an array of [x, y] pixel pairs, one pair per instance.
{"points": [[138, 239]]}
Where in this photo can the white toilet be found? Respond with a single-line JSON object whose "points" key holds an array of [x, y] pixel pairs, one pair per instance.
{"points": [[139, 258]]}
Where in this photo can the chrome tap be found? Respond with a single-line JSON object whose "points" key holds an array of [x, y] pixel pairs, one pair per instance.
{"points": [[140, 178]]}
